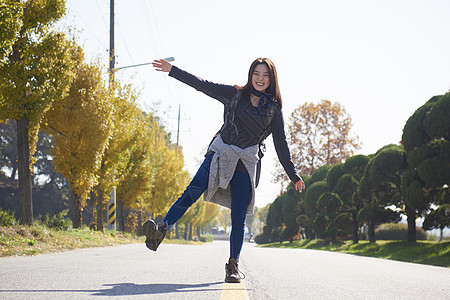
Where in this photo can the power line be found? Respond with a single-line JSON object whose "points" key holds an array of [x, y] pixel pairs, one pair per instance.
{"points": [[124, 42], [101, 13], [152, 11], [92, 32], [144, 11]]}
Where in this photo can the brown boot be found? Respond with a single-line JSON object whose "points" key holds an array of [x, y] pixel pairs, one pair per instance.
{"points": [[154, 233], [232, 271]]}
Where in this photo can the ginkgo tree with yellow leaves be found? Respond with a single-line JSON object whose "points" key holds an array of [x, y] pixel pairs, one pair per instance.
{"points": [[10, 24], [81, 126], [170, 179], [155, 176], [36, 72], [124, 138], [199, 215]]}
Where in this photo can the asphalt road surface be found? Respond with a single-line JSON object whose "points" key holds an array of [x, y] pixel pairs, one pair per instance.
{"points": [[197, 272]]}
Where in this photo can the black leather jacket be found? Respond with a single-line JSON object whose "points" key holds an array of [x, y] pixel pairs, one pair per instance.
{"points": [[250, 121]]}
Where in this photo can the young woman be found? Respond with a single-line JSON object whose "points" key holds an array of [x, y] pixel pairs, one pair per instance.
{"points": [[229, 172]]}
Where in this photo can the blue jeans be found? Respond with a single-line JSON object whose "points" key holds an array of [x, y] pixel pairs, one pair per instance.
{"points": [[240, 186]]}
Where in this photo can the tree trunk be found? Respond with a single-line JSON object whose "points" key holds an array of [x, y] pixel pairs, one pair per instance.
{"points": [[186, 232], [120, 216], [198, 232], [76, 210], [177, 233], [99, 210], [441, 235], [355, 228], [13, 172], [309, 233], [139, 229], [23, 158], [190, 231], [411, 219], [371, 232]]}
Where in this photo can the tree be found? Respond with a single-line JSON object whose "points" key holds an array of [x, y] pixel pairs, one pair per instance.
{"points": [[211, 212], [37, 72], [8, 146], [344, 179], [438, 219], [250, 220], [10, 24], [261, 215], [170, 179], [329, 205], [313, 193], [115, 159], [380, 187], [274, 221], [289, 210], [426, 138], [81, 126], [347, 188], [319, 135], [225, 218]]}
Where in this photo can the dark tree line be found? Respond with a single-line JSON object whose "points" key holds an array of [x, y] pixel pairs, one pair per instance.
{"points": [[412, 179]]}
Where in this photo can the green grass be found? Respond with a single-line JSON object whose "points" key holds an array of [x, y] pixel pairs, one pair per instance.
{"points": [[38, 239], [181, 242], [423, 252]]}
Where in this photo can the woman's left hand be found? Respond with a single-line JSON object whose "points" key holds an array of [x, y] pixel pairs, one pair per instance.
{"points": [[162, 65], [300, 185]]}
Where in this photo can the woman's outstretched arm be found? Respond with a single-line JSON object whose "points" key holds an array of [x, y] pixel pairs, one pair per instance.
{"points": [[222, 92]]}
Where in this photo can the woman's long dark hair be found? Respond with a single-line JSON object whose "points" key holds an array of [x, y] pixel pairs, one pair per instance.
{"points": [[273, 88]]}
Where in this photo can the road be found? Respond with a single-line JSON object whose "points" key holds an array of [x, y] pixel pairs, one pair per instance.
{"points": [[197, 272]]}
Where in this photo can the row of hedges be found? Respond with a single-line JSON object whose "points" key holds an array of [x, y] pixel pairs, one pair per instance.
{"points": [[389, 231]]}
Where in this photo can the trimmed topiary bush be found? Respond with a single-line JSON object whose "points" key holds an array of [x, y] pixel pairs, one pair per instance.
{"points": [[59, 221], [262, 239], [206, 238], [7, 218], [397, 231]]}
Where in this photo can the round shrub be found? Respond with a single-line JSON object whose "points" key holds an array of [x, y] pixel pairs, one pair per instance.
{"points": [[206, 238], [397, 231], [262, 239], [58, 222], [7, 218]]}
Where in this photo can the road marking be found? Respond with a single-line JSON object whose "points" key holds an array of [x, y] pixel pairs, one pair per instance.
{"points": [[234, 291]]}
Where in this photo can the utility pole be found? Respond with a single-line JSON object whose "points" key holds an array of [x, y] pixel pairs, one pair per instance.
{"points": [[178, 128], [111, 205], [112, 57]]}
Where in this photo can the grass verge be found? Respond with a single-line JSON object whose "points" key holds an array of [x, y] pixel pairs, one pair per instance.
{"points": [[423, 252], [31, 240], [37, 239]]}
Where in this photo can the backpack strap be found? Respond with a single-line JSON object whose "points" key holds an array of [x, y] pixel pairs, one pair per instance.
{"points": [[267, 130], [230, 112], [262, 145]]}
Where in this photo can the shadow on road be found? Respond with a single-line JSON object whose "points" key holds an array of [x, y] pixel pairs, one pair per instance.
{"points": [[119, 289], [130, 289]]}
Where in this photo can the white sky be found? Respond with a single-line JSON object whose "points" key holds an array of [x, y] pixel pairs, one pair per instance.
{"points": [[380, 59]]}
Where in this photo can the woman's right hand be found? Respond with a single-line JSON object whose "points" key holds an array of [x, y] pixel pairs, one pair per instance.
{"points": [[162, 65]]}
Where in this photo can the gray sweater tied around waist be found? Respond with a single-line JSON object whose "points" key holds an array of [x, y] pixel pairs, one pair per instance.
{"points": [[223, 166]]}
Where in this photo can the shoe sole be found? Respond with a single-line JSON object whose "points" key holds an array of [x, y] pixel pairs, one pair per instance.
{"points": [[149, 230], [232, 280]]}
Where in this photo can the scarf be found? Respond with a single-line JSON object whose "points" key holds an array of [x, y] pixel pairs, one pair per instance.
{"points": [[263, 98]]}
